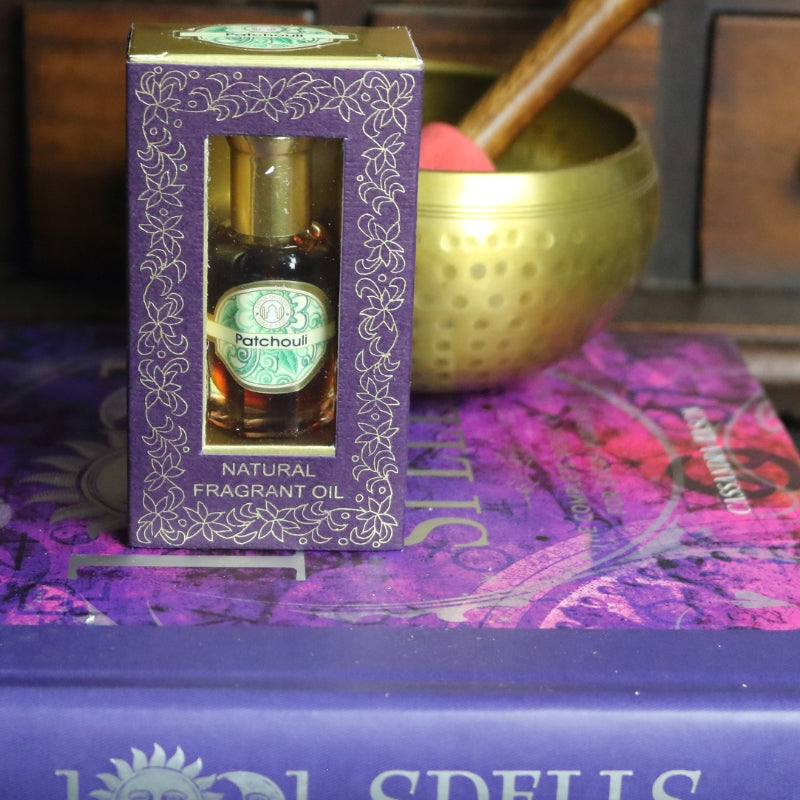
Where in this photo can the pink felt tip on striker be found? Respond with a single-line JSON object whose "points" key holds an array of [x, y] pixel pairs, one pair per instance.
{"points": [[444, 147]]}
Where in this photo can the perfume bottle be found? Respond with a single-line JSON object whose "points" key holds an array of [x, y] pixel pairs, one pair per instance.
{"points": [[272, 297]]}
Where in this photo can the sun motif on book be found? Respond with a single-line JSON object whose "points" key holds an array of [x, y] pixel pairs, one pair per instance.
{"points": [[156, 778], [89, 480]]}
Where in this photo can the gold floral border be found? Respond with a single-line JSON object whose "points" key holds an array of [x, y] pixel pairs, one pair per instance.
{"points": [[381, 101]]}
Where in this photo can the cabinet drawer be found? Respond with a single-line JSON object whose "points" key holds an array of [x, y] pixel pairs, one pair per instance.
{"points": [[750, 232]]}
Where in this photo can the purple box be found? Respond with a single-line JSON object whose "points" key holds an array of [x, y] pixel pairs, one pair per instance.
{"points": [[272, 202]]}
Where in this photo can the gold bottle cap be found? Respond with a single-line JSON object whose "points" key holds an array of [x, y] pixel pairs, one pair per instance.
{"points": [[270, 185]]}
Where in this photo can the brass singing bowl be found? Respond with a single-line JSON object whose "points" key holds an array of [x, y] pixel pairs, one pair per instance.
{"points": [[516, 269]]}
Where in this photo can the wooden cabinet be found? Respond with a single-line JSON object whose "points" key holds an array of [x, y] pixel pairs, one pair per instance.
{"points": [[715, 82]]}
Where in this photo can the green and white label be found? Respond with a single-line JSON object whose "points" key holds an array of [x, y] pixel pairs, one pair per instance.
{"points": [[273, 335], [265, 37]]}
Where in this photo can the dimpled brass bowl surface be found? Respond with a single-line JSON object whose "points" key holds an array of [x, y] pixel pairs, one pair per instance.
{"points": [[517, 268]]}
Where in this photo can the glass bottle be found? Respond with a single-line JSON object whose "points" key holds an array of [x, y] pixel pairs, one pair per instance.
{"points": [[272, 297]]}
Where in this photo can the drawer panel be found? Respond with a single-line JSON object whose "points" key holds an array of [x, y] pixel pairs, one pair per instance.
{"points": [[750, 233]]}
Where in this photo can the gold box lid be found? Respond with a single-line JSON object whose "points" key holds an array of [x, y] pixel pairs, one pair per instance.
{"points": [[272, 45]]}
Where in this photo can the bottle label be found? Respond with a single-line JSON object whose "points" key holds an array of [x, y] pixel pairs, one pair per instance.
{"points": [[273, 335], [265, 37]]}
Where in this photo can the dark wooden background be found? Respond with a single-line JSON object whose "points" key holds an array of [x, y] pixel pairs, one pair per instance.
{"points": [[716, 82]]}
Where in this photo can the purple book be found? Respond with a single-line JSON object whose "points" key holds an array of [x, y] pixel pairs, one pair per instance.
{"points": [[645, 482], [523, 644]]}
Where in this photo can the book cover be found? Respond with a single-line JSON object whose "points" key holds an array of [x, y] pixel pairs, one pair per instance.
{"points": [[596, 600], [644, 483]]}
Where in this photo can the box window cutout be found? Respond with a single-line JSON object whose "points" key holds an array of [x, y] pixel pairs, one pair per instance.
{"points": [[272, 294]]}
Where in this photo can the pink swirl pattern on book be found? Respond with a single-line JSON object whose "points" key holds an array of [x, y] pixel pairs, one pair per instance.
{"points": [[645, 482]]}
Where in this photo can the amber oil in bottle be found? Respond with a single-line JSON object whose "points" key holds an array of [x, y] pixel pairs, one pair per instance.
{"points": [[272, 295]]}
